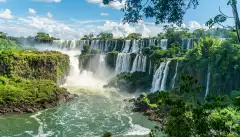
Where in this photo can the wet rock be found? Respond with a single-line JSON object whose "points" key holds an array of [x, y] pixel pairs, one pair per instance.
{"points": [[30, 110], [17, 110], [61, 99]]}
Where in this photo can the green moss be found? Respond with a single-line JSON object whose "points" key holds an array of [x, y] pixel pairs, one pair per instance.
{"points": [[17, 90], [34, 65]]}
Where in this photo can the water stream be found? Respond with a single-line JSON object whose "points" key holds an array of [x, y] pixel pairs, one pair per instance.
{"points": [[96, 111]]}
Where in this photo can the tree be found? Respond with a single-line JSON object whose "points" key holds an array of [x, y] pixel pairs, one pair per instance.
{"points": [[41, 36], [105, 36], [172, 11], [88, 37], [164, 11], [134, 36], [3, 35]]}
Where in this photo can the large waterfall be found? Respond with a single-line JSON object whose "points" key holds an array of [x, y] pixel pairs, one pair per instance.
{"points": [[175, 76], [135, 46], [139, 64], [160, 77], [126, 47], [208, 79], [164, 44], [123, 63]]}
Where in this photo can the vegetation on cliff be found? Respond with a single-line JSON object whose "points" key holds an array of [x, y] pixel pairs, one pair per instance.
{"points": [[182, 112], [28, 78]]}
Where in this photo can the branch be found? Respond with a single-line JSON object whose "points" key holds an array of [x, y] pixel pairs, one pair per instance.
{"points": [[223, 13]]}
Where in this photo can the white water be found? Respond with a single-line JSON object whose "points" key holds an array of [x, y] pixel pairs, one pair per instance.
{"points": [[139, 64], [160, 77], [150, 67], [164, 44], [135, 46], [126, 46], [164, 79], [123, 63], [175, 76], [208, 80]]}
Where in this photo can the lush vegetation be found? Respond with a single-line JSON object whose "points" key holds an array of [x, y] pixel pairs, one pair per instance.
{"points": [[34, 64], [28, 78], [182, 113], [16, 90]]}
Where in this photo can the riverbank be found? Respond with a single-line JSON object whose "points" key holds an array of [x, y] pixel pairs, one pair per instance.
{"points": [[32, 107]]}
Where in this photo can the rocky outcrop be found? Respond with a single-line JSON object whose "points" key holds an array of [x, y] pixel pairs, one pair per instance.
{"points": [[11, 108]]}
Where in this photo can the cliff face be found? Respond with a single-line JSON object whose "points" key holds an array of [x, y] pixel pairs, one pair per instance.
{"points": [[35, 65], [28, 80]]}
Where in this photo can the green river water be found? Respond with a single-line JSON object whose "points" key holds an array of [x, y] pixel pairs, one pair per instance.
{"points": [[94, 112]]}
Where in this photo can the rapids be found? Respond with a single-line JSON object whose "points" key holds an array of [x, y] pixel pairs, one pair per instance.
{"points": [[94, 112]]}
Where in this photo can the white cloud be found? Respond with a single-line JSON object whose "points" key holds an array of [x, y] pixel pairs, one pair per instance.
{"points": [[3, 0], [49, 15], [6, 14], [104, 14], [113, 4], [94, 1], [57, 1], [74, 29], [31, 11]]}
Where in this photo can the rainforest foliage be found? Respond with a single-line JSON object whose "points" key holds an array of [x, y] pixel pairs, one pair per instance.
{"points": [[29, 76], [184, 113]]}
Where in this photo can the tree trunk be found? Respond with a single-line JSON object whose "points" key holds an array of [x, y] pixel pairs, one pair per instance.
{"points": [[236, 19]]}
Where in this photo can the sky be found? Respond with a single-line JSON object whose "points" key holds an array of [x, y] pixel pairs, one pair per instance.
{"points": [[71, 19]]}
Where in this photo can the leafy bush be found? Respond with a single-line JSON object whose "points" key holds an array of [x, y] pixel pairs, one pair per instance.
{"points": [[17, 90]]}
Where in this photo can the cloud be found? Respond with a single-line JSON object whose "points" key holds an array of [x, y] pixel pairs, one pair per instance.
{"points": [[113, 4], [94, 1], [49, 15], [57, 1], [74, 29], [3, 0], [104, 14], [7, 14], [31, 11]]}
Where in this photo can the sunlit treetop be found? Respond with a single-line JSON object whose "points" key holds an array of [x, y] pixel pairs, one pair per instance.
{"points": [[163, 11]]}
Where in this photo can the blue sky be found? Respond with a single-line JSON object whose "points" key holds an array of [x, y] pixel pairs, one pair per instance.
{"points": [[77, 17]]}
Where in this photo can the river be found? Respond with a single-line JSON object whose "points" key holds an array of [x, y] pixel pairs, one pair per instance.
{"points": [[94, 112]]}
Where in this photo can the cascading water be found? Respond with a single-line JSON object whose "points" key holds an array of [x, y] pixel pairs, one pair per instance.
{"points": [[160, 77], [126, 46], [175, 76], [123, 63], [150, 68], [164, 79], [95, 111], [164, 44], [135, 46], [139, 64], [208, 80]]}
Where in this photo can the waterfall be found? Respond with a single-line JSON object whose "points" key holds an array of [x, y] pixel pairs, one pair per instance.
{"points": [[208, 79], [135, 64], [175, 76], [139, 64], [160, 77], [150, 67], [164, 44], [135, 46], [187, 43], [165, 74], [126, 46], [144, 64], [123, 63]]}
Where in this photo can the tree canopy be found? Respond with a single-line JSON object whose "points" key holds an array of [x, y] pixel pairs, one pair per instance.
{"points": [[173, 11], [164, 11], [134, 36], [105, 35], [41, 36]]}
